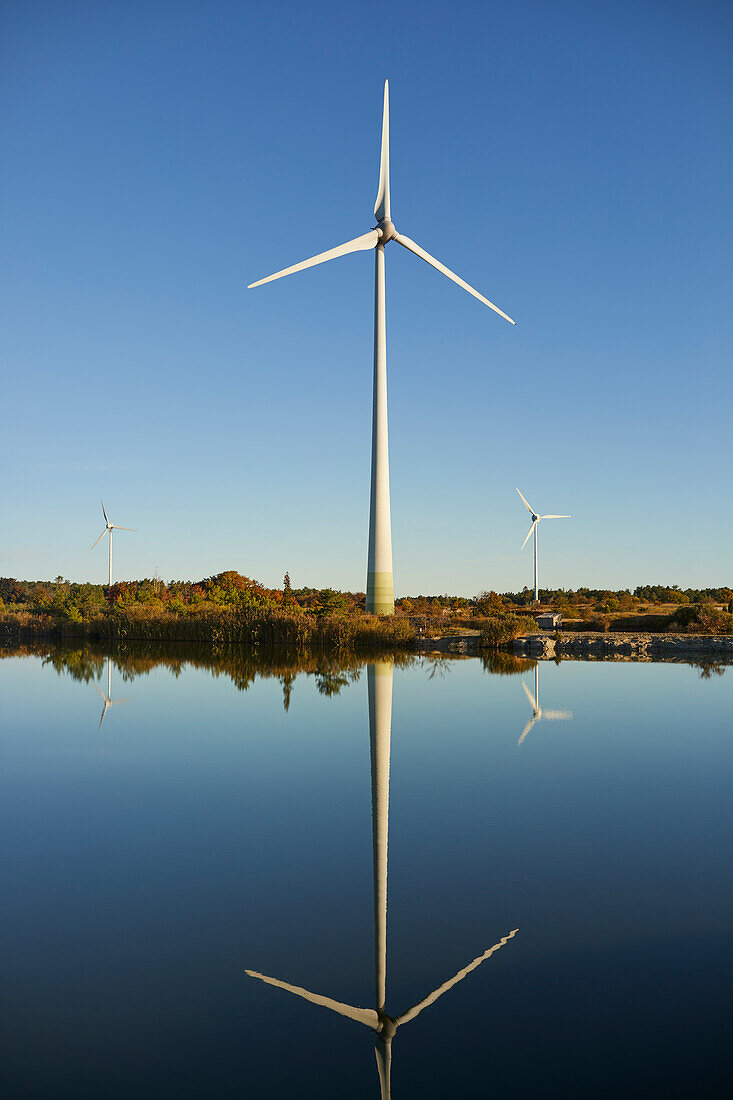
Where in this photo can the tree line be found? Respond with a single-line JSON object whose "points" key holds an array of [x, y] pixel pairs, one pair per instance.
{"points": [[230, 589]]}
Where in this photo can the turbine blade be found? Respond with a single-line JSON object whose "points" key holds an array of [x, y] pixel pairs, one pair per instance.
{"points": [[526, 504], [381, 206], [556, 517], [409, 244], [432, 997], [117, 528], [365, 1016], [557, 715], [100, 537], [530, 696], [359, 244], [527, 728], [106, 520], [383, 1051], [528, 534]]}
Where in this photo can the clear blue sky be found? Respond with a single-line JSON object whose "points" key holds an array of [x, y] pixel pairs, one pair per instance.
{"points": [[572, 160]]}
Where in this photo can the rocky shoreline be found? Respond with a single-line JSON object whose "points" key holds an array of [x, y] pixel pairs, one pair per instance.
{"points": [[592, 646], [629, 647]]}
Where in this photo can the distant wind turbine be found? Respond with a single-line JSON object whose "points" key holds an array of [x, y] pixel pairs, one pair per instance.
{"points": [[539, 713], [379, 682], [108, 530], [107, 700], [380, 582], [533, 530]]}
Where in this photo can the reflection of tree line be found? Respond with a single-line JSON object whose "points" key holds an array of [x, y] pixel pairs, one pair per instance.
{"points": [[86, 663], [708, 669]]}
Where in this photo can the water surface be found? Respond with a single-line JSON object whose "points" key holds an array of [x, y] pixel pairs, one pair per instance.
{"points": [[233, 816]]}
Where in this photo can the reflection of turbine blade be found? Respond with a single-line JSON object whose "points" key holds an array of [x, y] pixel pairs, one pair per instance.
{"points": [[104, 711], [365, 1016], [99, 693], [527, 728], [530, 696], [432, 997], [556, 715], [383, 1051]]}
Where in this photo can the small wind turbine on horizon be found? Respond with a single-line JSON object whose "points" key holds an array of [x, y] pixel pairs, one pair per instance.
{"points": [[380, 581], [538, 712], [533, 530], [108, 531]]}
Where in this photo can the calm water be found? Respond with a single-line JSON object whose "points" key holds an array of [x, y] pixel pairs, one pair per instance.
{"points": [[204, 830]]}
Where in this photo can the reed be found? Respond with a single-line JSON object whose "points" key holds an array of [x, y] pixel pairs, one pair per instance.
{"points": [[259, 628]]}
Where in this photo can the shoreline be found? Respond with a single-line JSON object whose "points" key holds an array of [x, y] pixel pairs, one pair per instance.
{"points": [[599, 646], [586, 646]]}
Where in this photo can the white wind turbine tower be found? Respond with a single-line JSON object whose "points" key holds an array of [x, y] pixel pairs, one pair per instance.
{"points": [[380, 583], [533, 530], [379, 682], [108, 531], [538, 713]]}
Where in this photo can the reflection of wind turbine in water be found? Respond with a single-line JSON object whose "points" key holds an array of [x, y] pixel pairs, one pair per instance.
{"points": [[108, 700], [380, 722], [539, 713]]}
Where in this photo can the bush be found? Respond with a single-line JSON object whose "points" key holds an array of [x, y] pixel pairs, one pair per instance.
{"points": [[505, 628], [702, 618]]}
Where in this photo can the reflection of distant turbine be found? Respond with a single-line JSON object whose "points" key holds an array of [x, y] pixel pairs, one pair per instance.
{"points": [[379, 676], [539, 713], [108, 531], [108, 700]]}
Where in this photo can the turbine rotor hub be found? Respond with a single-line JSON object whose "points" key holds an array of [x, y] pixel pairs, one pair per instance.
{"points": [[387, 1026], [387, 229]]}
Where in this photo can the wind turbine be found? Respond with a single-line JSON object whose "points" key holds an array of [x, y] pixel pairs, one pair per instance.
{"points": [[108, 530], [107, 700], [533, 530], [379, 682], [538, 712], [380, 582]]}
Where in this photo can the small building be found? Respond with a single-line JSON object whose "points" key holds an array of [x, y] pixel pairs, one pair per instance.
{"points": [[550, 620]]}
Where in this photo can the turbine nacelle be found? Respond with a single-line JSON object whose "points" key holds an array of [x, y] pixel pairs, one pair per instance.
{"points": [[387, 1027], [387, 230]]}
